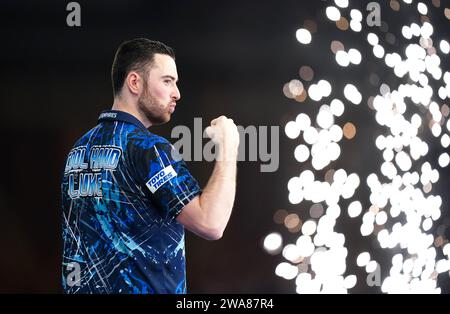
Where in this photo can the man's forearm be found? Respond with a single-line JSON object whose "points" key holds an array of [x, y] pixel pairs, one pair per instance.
{"points": [[207, 215], [218, 195]]}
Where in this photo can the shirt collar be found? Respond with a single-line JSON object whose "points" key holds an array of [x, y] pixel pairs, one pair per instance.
{"points": [[117, 115]]}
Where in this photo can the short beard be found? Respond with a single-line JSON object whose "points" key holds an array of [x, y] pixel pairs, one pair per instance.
{"points": [[149, 107]]}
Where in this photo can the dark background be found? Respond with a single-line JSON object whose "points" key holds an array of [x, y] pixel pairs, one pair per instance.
{"points": [[233, 58]]}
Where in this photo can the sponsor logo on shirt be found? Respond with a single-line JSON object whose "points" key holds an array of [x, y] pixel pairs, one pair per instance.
{"points": [[160, 178], [104, 115]]}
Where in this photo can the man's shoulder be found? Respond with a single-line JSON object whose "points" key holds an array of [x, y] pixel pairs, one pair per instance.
{"points": [[146, 139], [133, 136], [152, 146], [86, 137]]}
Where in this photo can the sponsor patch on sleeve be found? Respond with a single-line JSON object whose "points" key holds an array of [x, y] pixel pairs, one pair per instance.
{"points": [[160, 178]]}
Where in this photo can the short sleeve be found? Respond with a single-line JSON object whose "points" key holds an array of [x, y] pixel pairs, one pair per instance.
{"points": [[168, 179]]}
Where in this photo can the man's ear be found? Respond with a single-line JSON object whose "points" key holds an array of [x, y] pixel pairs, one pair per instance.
{"points": [[134, 82]]}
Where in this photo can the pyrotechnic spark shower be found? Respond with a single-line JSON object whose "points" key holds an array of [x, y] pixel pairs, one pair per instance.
{"points": [[412, 116]]}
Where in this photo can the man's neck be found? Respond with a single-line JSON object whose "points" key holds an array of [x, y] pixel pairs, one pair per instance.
{"points": [[123, 106]]}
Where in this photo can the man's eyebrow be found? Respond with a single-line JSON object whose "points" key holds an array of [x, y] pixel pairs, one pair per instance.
{"points": [[171, 77]]}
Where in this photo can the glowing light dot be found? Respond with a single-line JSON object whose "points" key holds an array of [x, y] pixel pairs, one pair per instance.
{"points": [[311, 135], [354, 209], [356, 15], [325, 87], [309, 227], [342, 58], [415, 29], [394, 5], [403, 161], [303, 121], [295, 197], [352, 94], [349, 130], [363, 259], [436, 130], [446, 109], [336, 46], [301, 153], [378, 51], [353, 180], [355, 56], [350, 281], [407, 266], [444, 46], [426, 31], [366, 229], [291, 253], [384, 89], [314, 92], [380, 142], [416, 120], [336, 133], [422, 8], [381, 218], [341, 3], [295, 87], [294, 183], [442, 266], [340, 176], [325, 119], [292, 130], [287, 92], [334, 151], [388, 155], [397, 260], [383, 238], [371, 267], [355, 26], [307, 177], [407, 32], [342, 24], [286, 270], [372, 39], [291, 221], [273, 242], [306, 73], [337, 107], [333, 13], [390, 60], [427, 224], [444, 160], [303, 36], [445, 140], [446, 249]]}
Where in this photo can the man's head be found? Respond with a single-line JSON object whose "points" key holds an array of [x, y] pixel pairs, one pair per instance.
{"points": [[144, 75]]}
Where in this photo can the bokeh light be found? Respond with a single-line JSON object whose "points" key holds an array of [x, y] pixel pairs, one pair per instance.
{"points": [[411, 114]]}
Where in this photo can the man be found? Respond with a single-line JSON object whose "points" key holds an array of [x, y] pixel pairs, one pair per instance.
{"points": [[127, 198]]}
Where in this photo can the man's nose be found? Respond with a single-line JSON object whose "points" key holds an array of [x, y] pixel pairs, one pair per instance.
{"points": [[176, 94]]}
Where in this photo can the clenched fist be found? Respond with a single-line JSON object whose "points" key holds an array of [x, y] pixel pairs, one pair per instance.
{"points": [[223, 132]]}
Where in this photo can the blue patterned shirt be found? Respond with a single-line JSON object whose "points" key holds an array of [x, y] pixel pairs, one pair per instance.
{"points": [[122, 189]]}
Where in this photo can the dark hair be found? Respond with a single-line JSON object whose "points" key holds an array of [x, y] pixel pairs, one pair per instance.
{"points": [[135, 55]]}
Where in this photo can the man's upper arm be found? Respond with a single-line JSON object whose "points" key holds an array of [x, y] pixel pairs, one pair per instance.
{"points": [[174, 190], [169, 183]]}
